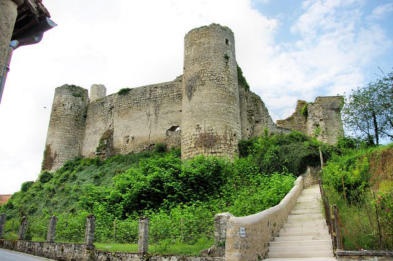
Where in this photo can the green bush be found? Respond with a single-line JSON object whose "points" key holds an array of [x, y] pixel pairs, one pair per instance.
{"points": [[26, 185], [384, 205], [304, 110], [45, 177], [160, 148], [179, 197], [124, 91], [241, 79], [364, 219]]}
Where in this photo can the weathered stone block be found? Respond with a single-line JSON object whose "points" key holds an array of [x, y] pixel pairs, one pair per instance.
{"points": [[50, 237], [143, 236]]}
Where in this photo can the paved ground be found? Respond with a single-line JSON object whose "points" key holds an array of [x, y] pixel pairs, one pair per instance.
{"points": [[8, 255]]}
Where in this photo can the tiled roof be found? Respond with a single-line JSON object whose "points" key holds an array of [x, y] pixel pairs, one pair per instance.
{"points": [[4, 199]]}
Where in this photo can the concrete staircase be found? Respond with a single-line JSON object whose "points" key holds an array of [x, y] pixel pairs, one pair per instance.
{"points": [[305, 236]]}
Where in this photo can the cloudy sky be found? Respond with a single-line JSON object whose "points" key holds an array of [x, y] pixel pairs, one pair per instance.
{"points": [[288, 50]]}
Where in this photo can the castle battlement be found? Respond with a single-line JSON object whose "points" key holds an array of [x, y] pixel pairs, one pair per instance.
{"points": [[207, 110]]}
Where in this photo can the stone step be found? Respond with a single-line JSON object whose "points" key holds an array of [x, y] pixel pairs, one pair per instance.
{"points": [[311, 191], [306, 220], [293, 243], [313, 216], [307, 198], [305, 211], [314, 225], [315, 207], [302, 259], [327, 250], [301, 238], [300, 253], [308, 203], [303, 232]]}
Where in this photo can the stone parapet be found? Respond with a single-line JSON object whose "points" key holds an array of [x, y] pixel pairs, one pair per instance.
{"points": [[248, 237]]}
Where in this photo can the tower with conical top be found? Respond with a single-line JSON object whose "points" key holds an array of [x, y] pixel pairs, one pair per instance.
{"points": [[210, 104]]}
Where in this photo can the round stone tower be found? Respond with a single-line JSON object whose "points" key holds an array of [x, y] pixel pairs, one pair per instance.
{"points": [[66, 126], [210, 106]]}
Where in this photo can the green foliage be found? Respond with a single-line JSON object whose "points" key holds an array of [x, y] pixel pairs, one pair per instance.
{"points": [[160, 148], [284, 153], [348, 174], [368, 111], [347, 183], [304, 110], [124, 91], [179, 197], [317, 131], [45, 177], [384, 205], [241, 79], [26, 185]]}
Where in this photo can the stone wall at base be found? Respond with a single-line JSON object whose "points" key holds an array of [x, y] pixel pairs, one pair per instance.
{"points": [[364, 255], [72, 252]]}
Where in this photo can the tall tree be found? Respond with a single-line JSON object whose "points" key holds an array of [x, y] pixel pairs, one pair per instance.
{"points": [[368, 110]]}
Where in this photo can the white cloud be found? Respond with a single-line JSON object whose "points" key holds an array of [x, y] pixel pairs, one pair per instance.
{"points": [[381, 11], [134, 43], [329, 57]]}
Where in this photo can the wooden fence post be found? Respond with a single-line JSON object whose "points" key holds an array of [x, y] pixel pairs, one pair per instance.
{"points": [[337, 228]]}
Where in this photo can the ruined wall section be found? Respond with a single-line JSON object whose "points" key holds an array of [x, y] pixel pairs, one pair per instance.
{"points": [[320, 119], [134, 120], [99, 124], [66, 126], [324, 119], [148, 115], [298, 120], [211, 111], [255, 117]]}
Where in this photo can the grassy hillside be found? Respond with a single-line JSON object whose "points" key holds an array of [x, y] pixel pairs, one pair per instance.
{"points": [[360, 182], [180, 198]]}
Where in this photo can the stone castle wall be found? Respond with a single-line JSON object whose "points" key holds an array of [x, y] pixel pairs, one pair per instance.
{"points": [[66, 126], [211, 113], [205, 111], [320, 119], [133, 120]]}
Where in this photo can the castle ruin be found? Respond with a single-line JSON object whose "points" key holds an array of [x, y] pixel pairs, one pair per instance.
{"points": [[207, 110]]}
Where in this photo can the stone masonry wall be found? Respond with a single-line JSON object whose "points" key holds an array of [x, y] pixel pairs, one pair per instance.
{"points": [[72, 252], [211, 113], [204, 111], [134, 121], [254, 115], [297, 121], [66, 126], [322, 119]]}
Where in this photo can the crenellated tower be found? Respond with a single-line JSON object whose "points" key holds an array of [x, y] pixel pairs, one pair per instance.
{"points": [[210, 105], [66, 126]]}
